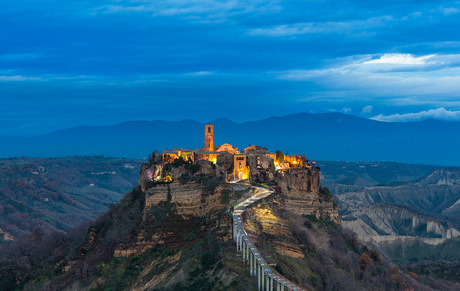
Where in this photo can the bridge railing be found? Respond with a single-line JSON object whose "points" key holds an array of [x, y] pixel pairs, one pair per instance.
{"points": [[266, 278]]}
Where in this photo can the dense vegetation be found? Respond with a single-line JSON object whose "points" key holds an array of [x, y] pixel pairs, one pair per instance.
{"points": [[60, 193]]}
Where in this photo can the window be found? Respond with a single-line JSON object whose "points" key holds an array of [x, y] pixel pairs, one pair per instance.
{"points": [[209, 129]]}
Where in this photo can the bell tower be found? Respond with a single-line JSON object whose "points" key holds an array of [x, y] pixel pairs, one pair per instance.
{"points": [[209, 137]]}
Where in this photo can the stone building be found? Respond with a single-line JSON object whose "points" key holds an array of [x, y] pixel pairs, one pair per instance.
{"points": [[254, 162], [209, 137], [240, 167]]}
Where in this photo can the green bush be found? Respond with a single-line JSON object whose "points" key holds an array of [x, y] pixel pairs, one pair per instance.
{"points": [[194, 168], [225, 196]]}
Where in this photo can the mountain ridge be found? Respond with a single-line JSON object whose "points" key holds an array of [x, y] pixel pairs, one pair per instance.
{"points": [[325, 136]]}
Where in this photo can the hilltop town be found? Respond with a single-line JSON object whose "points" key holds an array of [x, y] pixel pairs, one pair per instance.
{"points": [[233, 163], [292, 176]]}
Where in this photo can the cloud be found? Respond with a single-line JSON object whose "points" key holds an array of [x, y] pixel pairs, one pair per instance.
{"points": [[448, 10], [413, 101], [439, 113], [199, 73], [400, 59], [351, 27], [136, 53], [387, 75], [20, 78], [194, 10], [368, 109], [346, 110]]}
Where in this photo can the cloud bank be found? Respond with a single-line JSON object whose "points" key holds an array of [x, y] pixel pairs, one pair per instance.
{"points": [[439, 114]]}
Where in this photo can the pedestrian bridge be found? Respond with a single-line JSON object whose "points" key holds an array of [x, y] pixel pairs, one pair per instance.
{"points": [[266, 278]]}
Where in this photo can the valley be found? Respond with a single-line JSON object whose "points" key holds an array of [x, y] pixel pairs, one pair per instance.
{"points": [[59, 193], [408, 212]]}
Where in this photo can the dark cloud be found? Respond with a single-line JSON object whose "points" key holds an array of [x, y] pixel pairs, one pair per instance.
{"points": [[65, 63]]}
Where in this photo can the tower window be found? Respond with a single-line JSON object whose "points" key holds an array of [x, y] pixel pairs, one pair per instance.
{"points": [[209, 129]]}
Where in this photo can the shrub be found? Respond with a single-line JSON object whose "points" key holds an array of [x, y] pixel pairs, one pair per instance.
{"points": [[279, 269], [194, 168], [375, 255], [365, 261], [210, 184], [325, 195], [185, 178], [225, 196]]}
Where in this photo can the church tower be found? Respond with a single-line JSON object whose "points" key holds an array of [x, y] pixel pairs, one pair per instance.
{"points": [[209, 137]]}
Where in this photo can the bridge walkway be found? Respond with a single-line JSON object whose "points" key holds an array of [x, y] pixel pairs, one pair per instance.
{"points": [[266, 278]]}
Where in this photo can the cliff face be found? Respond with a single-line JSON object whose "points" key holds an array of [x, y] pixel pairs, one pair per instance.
{"points": [[386, 219], [262, 219], [303, 195], [196, 201], [178, 213]]}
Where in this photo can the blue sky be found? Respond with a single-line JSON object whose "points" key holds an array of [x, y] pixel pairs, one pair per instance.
{"points": [[70, 63]]}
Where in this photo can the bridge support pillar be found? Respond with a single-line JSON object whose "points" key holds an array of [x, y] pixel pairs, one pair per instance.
{"points": [[250, 263], [258, 276], [244, 250], [237, 241], [248, 252], [254, 263], [246, 245], [263, 278]]}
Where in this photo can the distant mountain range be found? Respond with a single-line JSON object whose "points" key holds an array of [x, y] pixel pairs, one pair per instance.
{"points": [[328, 136]]}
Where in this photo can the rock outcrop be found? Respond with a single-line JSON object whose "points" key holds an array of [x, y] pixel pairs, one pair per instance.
{"points": [[262, 218], [179, 212], [184, 201], [303, 195]]}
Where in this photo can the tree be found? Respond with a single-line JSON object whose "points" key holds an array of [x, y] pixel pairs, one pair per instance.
{"points": [[151, 158], [375, 255], [279, 157], [364, 261]]}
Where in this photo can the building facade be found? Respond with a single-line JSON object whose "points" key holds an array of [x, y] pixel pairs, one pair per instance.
{"points": [[254, 158]]}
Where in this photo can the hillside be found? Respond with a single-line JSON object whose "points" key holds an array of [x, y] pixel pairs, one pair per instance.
{"points": [[438, 193], [177, 236], [60, 193], [328, 136], [197, 258], [408, 212]]}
